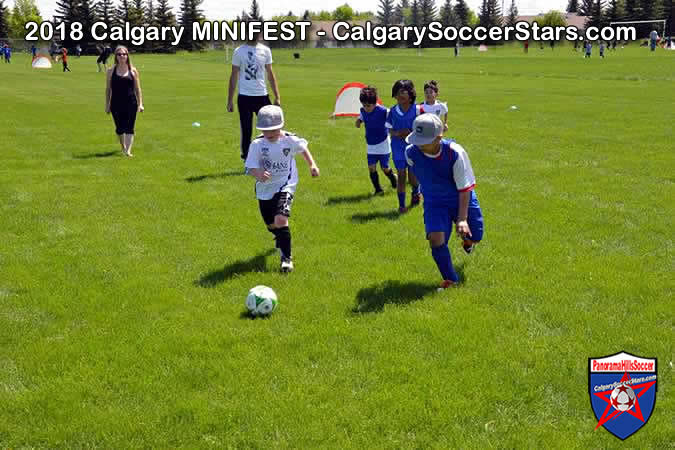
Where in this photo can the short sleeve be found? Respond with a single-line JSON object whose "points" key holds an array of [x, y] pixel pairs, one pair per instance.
{"points": [[462, 172], [253, 158], [408, 155], [268, 56], [388, 122], [361, 118], [236, 57], [444, 108], [298, 144]]}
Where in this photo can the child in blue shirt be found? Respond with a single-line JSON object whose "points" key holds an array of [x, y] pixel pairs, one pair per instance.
{"points": [[377, 137], [588, 46], [444, 171], [399, 122]]}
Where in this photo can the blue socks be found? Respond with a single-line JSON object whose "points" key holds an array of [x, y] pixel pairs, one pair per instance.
{"points": [[443, 260], [401, 199]]}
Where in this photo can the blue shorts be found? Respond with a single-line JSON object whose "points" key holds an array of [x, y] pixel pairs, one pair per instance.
{"points": [[398, 155], [400, 164], [382, 159], [440, 218]]}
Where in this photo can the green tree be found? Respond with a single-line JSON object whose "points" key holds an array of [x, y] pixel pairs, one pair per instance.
{"points": [[572, 6], [512, 18], [385, 16], [23, 11], [490, 14], [106, 11], [163, 14], [136, 13], [462, 13], [254, 12], [4, 22], [615, 11], [595, 16], [344, 12], [585, 8], [415, 18], [447, 14], [427, 11], [190, 12]]}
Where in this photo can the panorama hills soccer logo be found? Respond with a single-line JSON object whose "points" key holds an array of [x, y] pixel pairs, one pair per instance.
{"points": [[622, 388]]}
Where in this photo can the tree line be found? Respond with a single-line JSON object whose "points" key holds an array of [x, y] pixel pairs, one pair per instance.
{"points": [[600, 13]]}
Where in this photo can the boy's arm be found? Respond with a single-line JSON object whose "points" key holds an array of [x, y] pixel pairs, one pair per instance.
{"points": [[313, 168], [108, 90], [358, 122], [463, 214]]}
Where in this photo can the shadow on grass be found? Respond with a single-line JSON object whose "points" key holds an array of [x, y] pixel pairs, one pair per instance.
{"points": [[97, 155], [363, 218], [245, 315], [373, 299], [232, 173], [255, 264], [348, 199]]}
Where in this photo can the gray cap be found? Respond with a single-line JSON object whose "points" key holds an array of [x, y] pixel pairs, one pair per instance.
{"points": [[426, 128], [270, 117]]}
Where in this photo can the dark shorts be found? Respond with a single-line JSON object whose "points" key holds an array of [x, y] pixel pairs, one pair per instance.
{"points": [[279, 205], [382, 159], [441, 219], [125, 119]]}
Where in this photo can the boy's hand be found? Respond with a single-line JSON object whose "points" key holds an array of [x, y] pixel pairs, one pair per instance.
{"points": [[260, 174], [314, 170], [445, 127], [463, 229], [230, 106], [358, 123]]}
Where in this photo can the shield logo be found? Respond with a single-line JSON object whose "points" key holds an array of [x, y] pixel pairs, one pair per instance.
{"points": [[286, 151], [622, 388]]}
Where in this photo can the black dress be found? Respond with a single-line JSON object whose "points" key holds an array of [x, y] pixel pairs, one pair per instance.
{"points": [[123, 103]]}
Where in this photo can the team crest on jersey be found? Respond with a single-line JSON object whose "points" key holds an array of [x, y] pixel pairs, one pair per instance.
{"points": [[622, 388], [286, 151], [266, 164], [265, 151]]}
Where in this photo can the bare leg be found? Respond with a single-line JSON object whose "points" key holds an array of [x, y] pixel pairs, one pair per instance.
{"points": [[121, 139], [128, 143]]}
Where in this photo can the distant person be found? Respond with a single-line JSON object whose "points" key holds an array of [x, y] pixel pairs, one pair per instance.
{"points": [[457, 48], [8, 54], [601, 49], [432, 105], [124, 97], [552, 44], [53, 50], [526, 46], [588, 46], [378, 146], [614, 45], [576, 45], [251, 67], [78, 50], [106, 51], [653, 39], [33, 51], [64, 59]]}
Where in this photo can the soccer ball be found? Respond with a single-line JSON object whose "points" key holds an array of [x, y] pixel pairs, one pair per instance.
{"points": [[623, 397], [261, 301]]}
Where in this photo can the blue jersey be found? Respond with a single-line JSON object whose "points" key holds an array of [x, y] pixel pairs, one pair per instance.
{"points": [[398, 120], [444, 176], [376, 131]]}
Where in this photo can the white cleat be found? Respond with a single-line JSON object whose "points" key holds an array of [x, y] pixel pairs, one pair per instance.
{"points": [[286, 265]]}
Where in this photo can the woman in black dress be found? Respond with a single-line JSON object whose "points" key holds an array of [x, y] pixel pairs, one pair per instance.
{"points": [[123, 97]]}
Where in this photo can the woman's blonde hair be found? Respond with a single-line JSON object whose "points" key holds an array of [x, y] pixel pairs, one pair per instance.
{"points": [[122, 47]]}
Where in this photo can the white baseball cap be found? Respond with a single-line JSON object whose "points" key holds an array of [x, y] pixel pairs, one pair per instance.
{"points": [[426, 128], [270, 117]]}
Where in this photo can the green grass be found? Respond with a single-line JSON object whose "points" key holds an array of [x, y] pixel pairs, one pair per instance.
{"points": [[122, 281]]}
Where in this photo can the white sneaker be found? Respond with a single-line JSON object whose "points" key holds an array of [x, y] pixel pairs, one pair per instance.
{"points": [[286, 265]]}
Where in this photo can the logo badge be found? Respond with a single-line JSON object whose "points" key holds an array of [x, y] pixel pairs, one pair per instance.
{"points": [[622, 388], [419, 129], [265, 151], [286, 151]]}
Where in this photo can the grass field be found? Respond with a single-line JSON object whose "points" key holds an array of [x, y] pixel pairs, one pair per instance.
{"points": [[122, 281]]}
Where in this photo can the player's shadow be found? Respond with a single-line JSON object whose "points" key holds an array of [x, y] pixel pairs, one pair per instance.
{"points": [[348, 199], [232, 173], [97, 155], [368, 217], [255, 264], [372, 299]]}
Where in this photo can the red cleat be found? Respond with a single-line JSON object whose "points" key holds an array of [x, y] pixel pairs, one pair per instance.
{"points": [[446, 284]]}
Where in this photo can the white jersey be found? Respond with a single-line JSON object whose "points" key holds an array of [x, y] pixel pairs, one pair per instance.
{"points": [[438, 108], [251, 61], [278, 158]]}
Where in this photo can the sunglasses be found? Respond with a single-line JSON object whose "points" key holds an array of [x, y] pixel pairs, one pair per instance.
{"points": [[122, 54]]}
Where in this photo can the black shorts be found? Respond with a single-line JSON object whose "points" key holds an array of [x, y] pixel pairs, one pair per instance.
{"points": [[279, 205]]}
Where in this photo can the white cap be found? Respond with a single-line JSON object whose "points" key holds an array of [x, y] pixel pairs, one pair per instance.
{"points": [[270, 117], [426, 128]]}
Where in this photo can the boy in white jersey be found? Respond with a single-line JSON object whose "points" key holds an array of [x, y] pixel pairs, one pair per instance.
{"points": [[432, 105], [271, 160]]}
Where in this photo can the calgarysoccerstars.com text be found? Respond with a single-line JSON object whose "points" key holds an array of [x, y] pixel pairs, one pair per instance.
{"points": [[378, 35]]}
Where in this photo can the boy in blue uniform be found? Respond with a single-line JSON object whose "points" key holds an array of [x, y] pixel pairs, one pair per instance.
{"points": [[399, 122], [444, 171], [377, 137]]}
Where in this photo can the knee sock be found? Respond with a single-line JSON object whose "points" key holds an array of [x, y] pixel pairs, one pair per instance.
{"points": [[443, 260], [401, 199], [283, 236], [392, 178], [375, 179]]}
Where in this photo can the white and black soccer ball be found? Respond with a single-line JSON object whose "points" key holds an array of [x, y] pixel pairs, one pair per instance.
{"points": [[623, 397], [261, 301]]}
